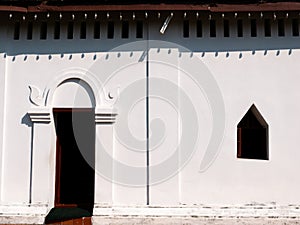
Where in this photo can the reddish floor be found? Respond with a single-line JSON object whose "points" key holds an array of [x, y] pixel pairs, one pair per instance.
{"points": [[80, 221]]}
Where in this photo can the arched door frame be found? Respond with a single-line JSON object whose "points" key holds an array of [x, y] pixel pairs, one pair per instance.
{"points": [[43, 140]]}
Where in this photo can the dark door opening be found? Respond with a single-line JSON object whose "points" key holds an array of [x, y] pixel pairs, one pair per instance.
{"points": [[75, 162]]}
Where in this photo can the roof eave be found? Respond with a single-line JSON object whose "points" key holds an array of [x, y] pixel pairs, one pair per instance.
{"points": [[273, 7]]}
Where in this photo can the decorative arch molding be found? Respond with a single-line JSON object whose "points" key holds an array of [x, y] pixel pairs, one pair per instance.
{"points": [[78, 86], [43, 102], [78, 74]]}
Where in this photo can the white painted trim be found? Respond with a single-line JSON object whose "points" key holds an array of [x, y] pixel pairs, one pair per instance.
{"points": [[75, 73], [18, 219], [225, 211], [105, 115], [31, 214], [125, 220], [40, 115], [35, 214]]}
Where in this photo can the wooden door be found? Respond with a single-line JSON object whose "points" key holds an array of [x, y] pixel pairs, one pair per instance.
{"points": [[75, 161]]}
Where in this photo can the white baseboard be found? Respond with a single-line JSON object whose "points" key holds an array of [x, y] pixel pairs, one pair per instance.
{"points": [[35, 214], [23, 214], [224, 211]]}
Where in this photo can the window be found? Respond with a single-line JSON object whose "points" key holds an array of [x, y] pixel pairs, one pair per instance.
{"points": [[186, 29], [295, 27], [199, 28], [43, 31], [240, 28], [110, 30], [125, 29], [56, 30], [252, 136], [17, 31], [226, 28], [97, 30], [267, 28], [213, 29], [253, 28], [139, 29], [280, 27], [83, 30], [29, 30], [70, 30]]}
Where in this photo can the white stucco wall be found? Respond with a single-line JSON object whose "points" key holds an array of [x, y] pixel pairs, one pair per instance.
{"points": [[261, 71]]}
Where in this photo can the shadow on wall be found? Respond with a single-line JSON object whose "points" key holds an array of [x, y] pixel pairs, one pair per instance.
{"points": [[26, 120], [13, 48]]}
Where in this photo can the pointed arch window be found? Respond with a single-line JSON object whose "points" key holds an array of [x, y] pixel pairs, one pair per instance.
{"points": [[252, 136]]}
